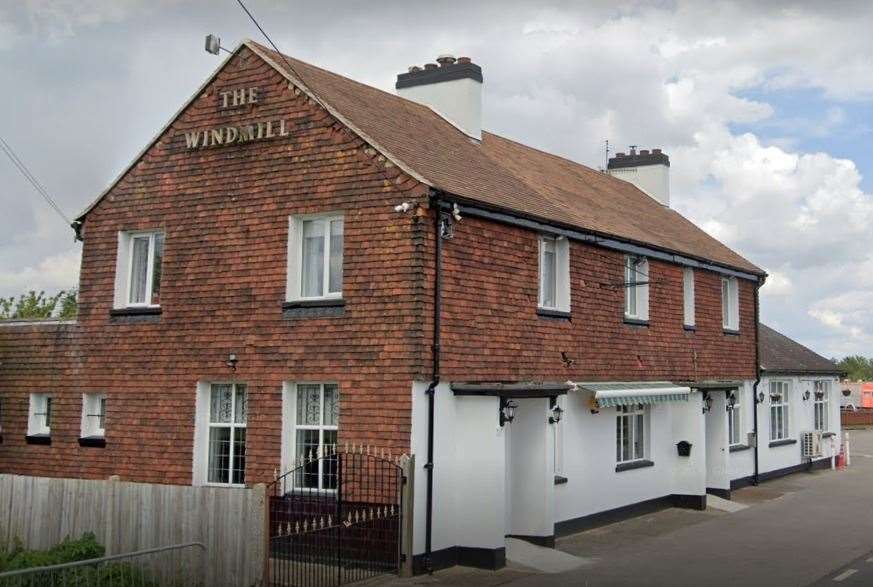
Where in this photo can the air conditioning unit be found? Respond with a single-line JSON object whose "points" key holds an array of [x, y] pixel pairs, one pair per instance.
{"points": [[810, 444]]}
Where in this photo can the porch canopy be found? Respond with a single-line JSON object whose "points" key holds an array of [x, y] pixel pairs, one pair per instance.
{"points": [[630, 394]]}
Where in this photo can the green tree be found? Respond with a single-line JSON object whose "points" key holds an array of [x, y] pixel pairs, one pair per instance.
{"points": [[857, 367], [39, 306]]}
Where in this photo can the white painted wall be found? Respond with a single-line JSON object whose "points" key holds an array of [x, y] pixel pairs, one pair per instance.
{"points": [[469, 470], [800, 420], [589, 458], [742, 463], [458, 101], [654, 180]]}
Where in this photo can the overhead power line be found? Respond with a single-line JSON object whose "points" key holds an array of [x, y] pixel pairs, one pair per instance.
{"points": [[282, 55], [22, 168]]}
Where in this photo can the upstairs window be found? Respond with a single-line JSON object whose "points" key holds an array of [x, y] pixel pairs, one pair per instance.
{"points": [[821, 406], [636, 287], [688, 294], [315, 258], [779, 425], [93, 415], [554, 273], [730, 304], [40, 417], [138, 269]]}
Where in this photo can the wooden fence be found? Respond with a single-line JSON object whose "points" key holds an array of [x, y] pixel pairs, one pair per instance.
{"points": [[862, 417], [133, 516]]}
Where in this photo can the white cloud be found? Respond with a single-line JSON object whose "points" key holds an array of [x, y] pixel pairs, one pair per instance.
{"points": [[52, 274]]}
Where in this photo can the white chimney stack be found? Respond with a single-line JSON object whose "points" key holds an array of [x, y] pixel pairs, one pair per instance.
{"points": [[451, 87], [649, 171]]}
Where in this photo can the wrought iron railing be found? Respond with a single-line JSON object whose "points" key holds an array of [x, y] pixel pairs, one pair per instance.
{"points": [[167, 566]]}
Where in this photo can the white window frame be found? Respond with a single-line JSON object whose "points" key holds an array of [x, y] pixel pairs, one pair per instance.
{"points": [[630, 413], [688, 296], [730, 304], [784, 405], [40, 413], [821, 406], [93, 411], [636, 271], [294, 281], [562, 272], [290, 426], [124, 267], [202, 427], [735, 423]]}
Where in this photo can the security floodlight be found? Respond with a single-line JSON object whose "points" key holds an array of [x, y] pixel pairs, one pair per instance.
{"points": [[213, 44]]}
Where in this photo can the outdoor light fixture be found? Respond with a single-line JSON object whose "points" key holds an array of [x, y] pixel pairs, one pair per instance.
{"points": [[731, 401], [707, 402], [806, 395], [232, 361], [447, 227], [507, 411], [761, 397], [819, 395]]}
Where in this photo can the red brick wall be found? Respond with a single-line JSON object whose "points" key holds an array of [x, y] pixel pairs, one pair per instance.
{"points": [[491, 331], [225, 215]]}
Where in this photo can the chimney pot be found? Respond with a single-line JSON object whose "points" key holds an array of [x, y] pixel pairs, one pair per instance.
{"points": [[413, 68], [431, 66], [446, 59], [656, 151], [644, 151], [464, 60], [619, 155]]}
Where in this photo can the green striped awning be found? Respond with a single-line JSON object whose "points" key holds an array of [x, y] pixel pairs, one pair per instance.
{"points": [[634, 393]]}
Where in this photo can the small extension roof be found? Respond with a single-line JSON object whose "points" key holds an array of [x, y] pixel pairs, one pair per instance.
{"points": [[780, 354]]}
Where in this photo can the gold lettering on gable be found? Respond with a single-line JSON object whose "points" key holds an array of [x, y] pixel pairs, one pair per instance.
{"points": [[230, 134]]}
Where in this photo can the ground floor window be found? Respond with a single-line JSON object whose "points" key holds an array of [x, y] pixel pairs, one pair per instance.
{"points": [[821, 405], [779, 410], [630, 434], [228, 407], [315, 430], [734, 424]]}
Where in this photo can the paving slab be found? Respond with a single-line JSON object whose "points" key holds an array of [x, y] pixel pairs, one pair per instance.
{"points": [[540, 558]]}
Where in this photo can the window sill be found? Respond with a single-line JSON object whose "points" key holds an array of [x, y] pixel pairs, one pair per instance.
{"points": [[560, 480], [783, 442], [323, 308], [731, 332], [636, 322], [319, 303], [93, 441], [144, 311], [689, 328], [550, 313], [633, 465], [739, 447], [38, 439]]}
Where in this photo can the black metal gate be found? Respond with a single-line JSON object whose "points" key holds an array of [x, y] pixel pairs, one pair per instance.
{"points": [[334, 519]]}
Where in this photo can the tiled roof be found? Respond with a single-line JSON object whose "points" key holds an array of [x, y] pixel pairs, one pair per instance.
{"points": [[780, 354], [502, 173]]}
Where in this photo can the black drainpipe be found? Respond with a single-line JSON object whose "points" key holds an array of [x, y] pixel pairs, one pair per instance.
{"points": [[757, 377], [435, 378]]}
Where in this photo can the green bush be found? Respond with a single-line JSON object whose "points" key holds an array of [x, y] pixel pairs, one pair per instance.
{"points": [[68, 551]]}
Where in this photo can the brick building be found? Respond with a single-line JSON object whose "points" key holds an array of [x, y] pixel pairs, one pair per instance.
{"points": [[298, 261]]}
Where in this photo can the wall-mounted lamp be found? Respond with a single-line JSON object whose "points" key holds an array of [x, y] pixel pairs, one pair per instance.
{"points": [[819, 395], [232, 361], [447, 227], [806, 395], [761, 397], [557, 412], [707, 402], [731, 401], [507, 411]]}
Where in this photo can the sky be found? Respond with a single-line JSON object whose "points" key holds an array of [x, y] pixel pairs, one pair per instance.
{"points": [[765, 108]]}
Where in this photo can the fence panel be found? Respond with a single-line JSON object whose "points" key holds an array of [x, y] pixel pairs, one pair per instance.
{"points": [[128, 517]]}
